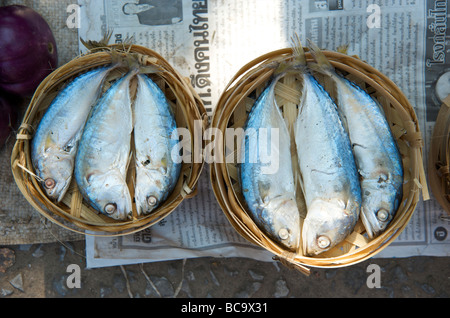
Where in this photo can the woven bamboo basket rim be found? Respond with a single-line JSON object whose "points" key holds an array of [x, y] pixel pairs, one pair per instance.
{"points": [[439, 157], [72, 212], [252, 77]]}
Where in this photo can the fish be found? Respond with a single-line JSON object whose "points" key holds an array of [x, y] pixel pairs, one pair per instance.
{"points": [[104, 152], [268, 186], [55, 143], [329, 179], [376, 153], [157, 147]]}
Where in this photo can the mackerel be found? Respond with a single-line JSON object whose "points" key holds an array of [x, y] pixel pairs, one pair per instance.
{"points": [[156, 144], [269, 187], [329, 177], [375, 150], [54, 145], [104, 152]]}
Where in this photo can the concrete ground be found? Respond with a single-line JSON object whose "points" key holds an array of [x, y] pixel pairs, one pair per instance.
{"points": [[43, 270]]}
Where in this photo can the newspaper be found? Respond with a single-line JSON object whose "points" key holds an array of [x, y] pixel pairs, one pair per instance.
{"points": [[208, 41]]}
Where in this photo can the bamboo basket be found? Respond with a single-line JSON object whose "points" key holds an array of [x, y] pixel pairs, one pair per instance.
{"points": [[232, 111], [439, 157], [73, 212]]}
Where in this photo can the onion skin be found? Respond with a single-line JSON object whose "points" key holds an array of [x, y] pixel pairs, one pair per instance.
{"points": [[28, 50]]}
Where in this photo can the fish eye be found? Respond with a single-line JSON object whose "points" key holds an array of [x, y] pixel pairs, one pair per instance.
{"points": [[110, 208], [49, 183], [382, 215], [283, 233], [323, 241], [152, 200]]}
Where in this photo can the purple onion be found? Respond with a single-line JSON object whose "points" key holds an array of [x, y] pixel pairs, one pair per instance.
{"points": [[27, 50]]}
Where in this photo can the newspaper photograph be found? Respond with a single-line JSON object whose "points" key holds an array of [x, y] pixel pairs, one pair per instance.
{"points": [[209, 41]]}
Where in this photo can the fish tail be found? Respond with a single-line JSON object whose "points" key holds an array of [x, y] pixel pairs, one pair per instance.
{"points": [[298, 51], [298, 63], [323, 65], [116, 58], [132, 62], [91, 45]]}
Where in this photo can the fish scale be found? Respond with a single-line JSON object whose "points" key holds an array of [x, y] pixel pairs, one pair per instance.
{"points": [[377, 156], [55, 142], [104, 152], [329, 177], [270, 195], [375, 150], [157, 146]]}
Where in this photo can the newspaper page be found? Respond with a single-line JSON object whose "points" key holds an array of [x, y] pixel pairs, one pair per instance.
{"points": [[208, 41]]}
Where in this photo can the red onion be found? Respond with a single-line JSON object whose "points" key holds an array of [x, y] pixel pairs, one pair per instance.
{"points": [[27, 49]]}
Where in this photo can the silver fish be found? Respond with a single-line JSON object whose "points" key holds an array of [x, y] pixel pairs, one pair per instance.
{"points": [[104, 151], [329, 177], [270, 193], [375, 150], [157, 146], [54, 145]]}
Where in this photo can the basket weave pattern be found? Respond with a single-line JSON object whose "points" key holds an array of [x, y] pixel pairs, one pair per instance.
{"points": [[439, 157], [188, 109], [232, 111]]}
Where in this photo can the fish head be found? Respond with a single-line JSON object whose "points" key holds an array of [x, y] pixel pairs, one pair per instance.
{"points": [[55, 171], [110, 195], [379, 205], [150, 191], [284, 221], [328, 222]]}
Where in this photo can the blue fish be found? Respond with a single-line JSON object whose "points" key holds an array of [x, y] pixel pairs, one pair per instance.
{"points": [[54, 145], [377, 157], [268, 183], [330, 180], [157, 147], [103, 156]]}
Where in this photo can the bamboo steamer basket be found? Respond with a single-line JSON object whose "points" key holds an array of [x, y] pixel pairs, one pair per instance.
{"points": [[231, 112], [73, 213], [439, 157]]}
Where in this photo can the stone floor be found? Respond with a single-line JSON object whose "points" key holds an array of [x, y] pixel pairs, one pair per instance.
{"points": [[43, 270]]}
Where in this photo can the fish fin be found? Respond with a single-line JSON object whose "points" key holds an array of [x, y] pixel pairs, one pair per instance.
{"points": [[263, 189], [130, 156], [323, 65], [298, 63], [48, 142], [342, 117], [88, 177], [300, 182]]}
